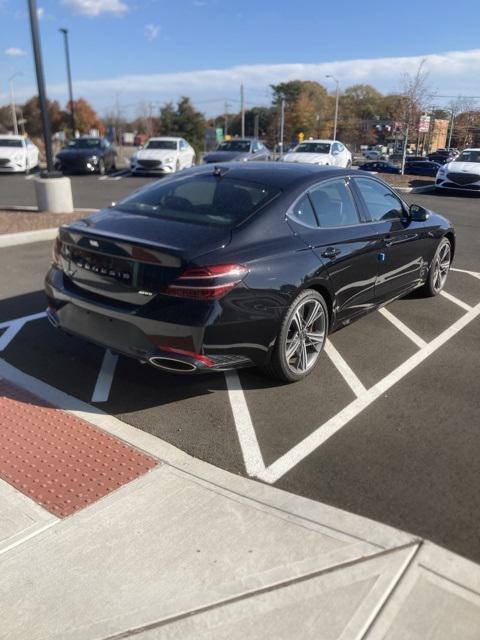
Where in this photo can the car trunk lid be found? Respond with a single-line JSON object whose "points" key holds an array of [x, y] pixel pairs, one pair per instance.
{"points": [[131, 258]]}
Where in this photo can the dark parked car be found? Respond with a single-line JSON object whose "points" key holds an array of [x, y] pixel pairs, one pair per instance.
{"points": [[87, 155], [240, 264], [380, 167], [423, 168], [243, 149], [441, 158]]}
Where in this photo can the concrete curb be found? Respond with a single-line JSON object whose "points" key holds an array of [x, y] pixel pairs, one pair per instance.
{"points": [[27, 237]]}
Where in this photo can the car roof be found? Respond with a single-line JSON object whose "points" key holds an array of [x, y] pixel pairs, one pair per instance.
{"points": [[275, 174], [11, 136], [472, 149], [318, 140], [171, 138]]}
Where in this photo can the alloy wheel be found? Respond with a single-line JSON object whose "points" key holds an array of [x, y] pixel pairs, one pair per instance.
{"points": [[305, 336], [441, 267]]}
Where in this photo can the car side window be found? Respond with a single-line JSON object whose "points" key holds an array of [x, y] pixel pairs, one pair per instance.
{"points": [[303, 212], [381, 202], [333, 204]]}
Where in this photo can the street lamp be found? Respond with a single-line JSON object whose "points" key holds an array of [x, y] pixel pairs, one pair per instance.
{"points": [[12, 101], [336, 105], [69, 76]]}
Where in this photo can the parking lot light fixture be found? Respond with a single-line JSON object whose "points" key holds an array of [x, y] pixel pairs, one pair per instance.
{"points": [[336, 104]]}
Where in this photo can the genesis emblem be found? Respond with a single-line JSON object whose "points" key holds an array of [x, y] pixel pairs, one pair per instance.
{"points": [[93, 243]]}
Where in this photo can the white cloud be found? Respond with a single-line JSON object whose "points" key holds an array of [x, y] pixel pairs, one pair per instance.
{"points": [[152, 31], [451, 73], [15, 52], [95, 8]]}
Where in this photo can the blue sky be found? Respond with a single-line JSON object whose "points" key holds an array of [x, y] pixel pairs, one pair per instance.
{"points": [[137, 51]]}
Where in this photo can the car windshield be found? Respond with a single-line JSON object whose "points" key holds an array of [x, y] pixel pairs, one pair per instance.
{"points": [[10, 142], [313, 147], [84, 143], [235, 145], [469, 156], [201, 199], [161, 144]]}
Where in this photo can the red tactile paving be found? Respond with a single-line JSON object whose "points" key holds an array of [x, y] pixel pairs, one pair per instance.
{"points": [[58, 460]]}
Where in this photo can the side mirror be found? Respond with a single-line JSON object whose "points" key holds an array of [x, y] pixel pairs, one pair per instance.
{"points": [[254, 151], [418, 213]]}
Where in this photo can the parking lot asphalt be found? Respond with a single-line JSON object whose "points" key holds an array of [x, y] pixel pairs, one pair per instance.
{"points": [[89, 191], [387, 426]]}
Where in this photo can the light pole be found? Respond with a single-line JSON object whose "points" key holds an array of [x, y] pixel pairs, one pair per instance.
{"points": [[69, 76], [12, 101], [42, 96], [336, 105]]}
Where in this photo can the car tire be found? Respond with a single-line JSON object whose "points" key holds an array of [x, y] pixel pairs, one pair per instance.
{"points": [[438, 272], [290, 364], [101, 167]]}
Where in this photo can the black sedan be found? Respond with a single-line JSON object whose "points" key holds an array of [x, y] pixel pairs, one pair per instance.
{"points": [[239, 150], [87, 155], [380, 167], [242, 264], [422, 168]]}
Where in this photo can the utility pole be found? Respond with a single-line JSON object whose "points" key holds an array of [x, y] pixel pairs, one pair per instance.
{"points": [[226, 119], [242, 109], [336, 105], [69, 77], [282, 124], [12, 101], [452, 120], [37, 53], [256, 125]]}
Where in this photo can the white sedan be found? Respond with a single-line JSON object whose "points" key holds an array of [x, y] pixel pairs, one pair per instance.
{"points": [[163, 155], [18, 154], [321, 152], [461, 174]]}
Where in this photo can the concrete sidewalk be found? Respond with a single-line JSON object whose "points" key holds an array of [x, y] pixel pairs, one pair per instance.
{"points": [[189, 551]]}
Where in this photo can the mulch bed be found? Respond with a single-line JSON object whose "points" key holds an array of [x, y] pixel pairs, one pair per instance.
{"points": [[15, 221]]}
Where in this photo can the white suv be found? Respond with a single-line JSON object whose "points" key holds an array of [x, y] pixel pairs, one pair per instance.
{"points": [[461, 174], [18, 154]]}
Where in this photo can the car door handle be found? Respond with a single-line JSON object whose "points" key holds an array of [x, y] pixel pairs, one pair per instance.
{"points": [[330, 252]]}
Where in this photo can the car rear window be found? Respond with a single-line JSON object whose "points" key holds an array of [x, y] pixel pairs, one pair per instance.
{"points": [[202, 199]]}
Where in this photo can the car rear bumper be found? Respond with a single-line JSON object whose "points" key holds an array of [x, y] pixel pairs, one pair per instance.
{"points": [[206, 345]]}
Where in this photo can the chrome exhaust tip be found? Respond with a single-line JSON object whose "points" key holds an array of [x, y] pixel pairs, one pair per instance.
{"points": [[172, 364]]}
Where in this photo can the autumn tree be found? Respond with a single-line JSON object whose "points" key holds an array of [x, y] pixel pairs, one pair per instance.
{"points": [[32, 115], [86, 117]]}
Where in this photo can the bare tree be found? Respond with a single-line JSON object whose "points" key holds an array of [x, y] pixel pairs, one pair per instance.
{"points": [[416, 95]]}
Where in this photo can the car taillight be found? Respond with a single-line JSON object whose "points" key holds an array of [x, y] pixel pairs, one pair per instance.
{"points": [[57, 245], [206, 283]]}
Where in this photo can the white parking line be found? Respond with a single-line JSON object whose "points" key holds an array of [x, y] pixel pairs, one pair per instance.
{"points": [[420, 342], [118, 175], [105, 377], [475, 274], [14, 326], [304, 448], [252, 456], [347, 373], [455, 300]]}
